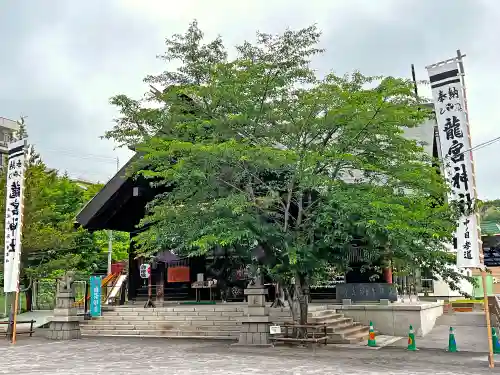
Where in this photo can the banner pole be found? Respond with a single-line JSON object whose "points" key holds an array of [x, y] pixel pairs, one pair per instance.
{"points": [[14, 318], [491, 359]]}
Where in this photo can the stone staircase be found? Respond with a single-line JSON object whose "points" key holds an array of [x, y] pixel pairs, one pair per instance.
{"points": [[210, 322], [201, 322], [341, 330]]}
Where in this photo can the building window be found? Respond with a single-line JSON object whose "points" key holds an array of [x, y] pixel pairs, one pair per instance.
{"points": [[426, 282]]}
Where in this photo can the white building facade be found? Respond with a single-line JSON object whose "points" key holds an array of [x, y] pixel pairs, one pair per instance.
{"points": [[8, 128]]}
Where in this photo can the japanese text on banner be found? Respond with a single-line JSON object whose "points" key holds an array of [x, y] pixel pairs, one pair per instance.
{"points": [[447, 92], [13, 214]]}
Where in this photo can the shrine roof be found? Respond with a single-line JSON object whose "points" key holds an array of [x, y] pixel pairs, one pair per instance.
{"points": [[98, 212], [490, 228]]}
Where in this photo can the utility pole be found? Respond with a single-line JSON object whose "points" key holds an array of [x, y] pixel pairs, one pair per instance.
{"points": [[110, 249], [110, 232]]}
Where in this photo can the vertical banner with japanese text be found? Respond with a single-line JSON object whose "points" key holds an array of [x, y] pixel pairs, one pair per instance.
{"points": [[449, 104], [13, 214], [95, 295]]}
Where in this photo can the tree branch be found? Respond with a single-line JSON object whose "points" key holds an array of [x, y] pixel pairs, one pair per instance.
{"points": [[287, 206], [352, 140]]}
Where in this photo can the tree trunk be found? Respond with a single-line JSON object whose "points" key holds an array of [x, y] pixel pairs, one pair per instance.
{"points": [[29, 299], [28, 293], [291, 304], [301, 293], [278, 298]]}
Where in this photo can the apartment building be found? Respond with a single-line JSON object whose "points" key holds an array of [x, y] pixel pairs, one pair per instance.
{"points": [[7, 130]]}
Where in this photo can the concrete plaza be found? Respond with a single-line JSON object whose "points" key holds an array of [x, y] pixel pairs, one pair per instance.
{"points": [[112, 356]]}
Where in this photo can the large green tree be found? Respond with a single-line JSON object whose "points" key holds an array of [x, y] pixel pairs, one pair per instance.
{"points": [[258, 152]]}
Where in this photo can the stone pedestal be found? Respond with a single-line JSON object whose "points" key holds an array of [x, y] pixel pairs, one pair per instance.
{"points": [[255, 326], [65, 324]]}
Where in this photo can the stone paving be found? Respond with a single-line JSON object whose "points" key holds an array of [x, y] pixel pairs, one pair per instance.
{"points": [[470, 333], [131, 356], [469, 339]]}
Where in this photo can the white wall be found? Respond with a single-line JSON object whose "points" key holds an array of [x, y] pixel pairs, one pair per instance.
{"points": [[442, 289], [423, 133]]}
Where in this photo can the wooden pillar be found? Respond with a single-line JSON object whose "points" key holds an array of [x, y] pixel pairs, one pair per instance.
{"points": [[132, 273], [388, 275], [160, 284]]}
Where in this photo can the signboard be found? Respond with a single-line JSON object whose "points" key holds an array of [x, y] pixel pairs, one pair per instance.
{"points": [[450, 107], [145, 271], [13, 214], [178, 274], [364, 292], [95, 296], [274, 330]]}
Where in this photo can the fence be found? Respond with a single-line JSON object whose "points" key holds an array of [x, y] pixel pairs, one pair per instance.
{"points": [[44, 293]]}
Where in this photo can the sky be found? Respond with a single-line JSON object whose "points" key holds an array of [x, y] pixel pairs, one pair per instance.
{"points": [[62, 60]]}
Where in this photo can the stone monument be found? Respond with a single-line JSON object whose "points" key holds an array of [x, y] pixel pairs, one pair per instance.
{"points": [[65, 324], [255, 326]]}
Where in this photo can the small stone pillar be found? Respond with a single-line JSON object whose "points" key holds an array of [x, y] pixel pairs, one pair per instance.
{"points": [[65, 324], [255, 326]]}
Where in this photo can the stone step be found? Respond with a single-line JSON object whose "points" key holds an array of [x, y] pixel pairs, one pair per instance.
{"points": [[178, 309], [169, 319], [332, 317], [169, 314], [353, 327], [342, 326], [208, 335], [160, 327], [155, 323], [320, 312], [338, 323], [356, 337], [179, 313], [220, 328], [316, 308], [335, 328], [114, 327], [349, 334]]}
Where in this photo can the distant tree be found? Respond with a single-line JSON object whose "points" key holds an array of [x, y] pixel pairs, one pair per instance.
{"points": [[490, 210]]}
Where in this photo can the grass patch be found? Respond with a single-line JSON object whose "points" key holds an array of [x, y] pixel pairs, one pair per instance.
{"points": [[197, 303], [468, 301]]}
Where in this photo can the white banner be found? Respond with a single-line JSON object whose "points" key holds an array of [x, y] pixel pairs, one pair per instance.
{"points": [[449, 103], [13, 214]]}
